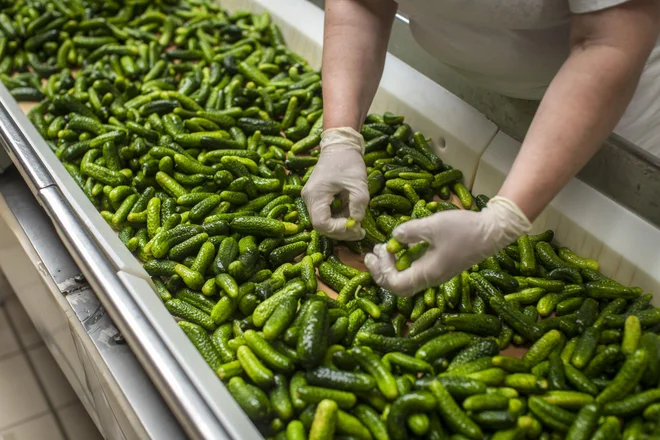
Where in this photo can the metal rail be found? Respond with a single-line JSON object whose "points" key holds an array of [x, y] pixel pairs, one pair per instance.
{"points": [[126, 404], [179, 390]]}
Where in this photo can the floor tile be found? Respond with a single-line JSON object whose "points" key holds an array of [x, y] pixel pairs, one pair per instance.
{"points": [[8, 341], [5, 289], [21, 396], [76, 423], [41, 428], [57, 388], [25, 330]]}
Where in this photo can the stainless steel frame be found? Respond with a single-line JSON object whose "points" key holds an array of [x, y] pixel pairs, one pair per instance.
{"points": [[102, 369], [193, 400]]}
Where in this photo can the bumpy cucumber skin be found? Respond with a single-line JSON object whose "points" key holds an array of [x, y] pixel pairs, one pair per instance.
{"points": [[627, 378], [312, 339], [253, 400], [405, 405], [453, 415]]}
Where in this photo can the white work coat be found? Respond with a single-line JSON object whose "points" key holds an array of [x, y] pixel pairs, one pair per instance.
{"points": [[515, 48]]}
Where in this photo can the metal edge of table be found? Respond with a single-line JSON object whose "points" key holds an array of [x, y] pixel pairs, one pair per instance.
{"points": [[146, 405], [628, 175], [179, 390]]}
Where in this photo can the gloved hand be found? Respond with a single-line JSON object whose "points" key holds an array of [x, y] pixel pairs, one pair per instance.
{"points": [[457, 240], [339, 171]]}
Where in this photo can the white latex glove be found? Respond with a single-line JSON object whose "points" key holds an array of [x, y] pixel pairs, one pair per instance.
{"points": [[339, 171], [457, 240]]}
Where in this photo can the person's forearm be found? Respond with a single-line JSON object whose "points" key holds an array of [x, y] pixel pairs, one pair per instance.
{"points": [[580, 109], [355, 43]]}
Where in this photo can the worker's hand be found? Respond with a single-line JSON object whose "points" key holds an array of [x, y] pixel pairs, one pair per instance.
{"points": [[339, 171], [457, 240]]}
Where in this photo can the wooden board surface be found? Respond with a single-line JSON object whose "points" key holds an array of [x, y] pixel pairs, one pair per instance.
{"points": [[27, 106]]}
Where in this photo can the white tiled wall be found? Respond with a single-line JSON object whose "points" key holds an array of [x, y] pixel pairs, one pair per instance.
{"points": [[36, 401]]}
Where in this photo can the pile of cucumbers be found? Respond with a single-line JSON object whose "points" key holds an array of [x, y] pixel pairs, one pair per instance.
{"points": [[193, 131]]}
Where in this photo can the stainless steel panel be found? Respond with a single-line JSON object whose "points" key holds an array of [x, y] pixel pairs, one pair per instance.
{"points": [[628, 175], [181, 395], [19, 149], [38, 227], [103, 370]]}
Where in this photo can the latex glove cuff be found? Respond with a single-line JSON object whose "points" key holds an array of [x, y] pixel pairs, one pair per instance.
{"points": [[342, 137], [508, 221]]}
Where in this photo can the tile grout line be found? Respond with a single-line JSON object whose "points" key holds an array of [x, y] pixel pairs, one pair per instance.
{"points": [[52, 409], [12, 331], [26, 420], [10, 354], [42, 388]]}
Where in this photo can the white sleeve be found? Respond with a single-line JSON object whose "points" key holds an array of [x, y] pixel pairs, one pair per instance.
{"points": [[583, 6]]}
